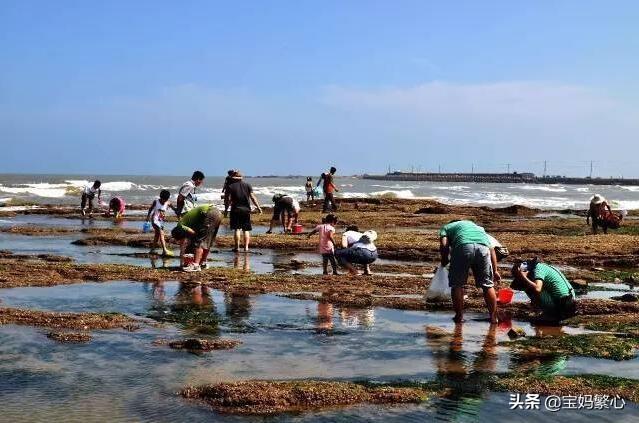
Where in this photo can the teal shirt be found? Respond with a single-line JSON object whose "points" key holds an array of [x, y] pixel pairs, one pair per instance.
{"points": [[464, 232], [194, 218], [555, 285]]}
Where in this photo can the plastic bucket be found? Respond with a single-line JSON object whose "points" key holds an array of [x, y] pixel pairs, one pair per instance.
{"points": [[188, 259], [297, 228], [505, 295], [146, 227]]}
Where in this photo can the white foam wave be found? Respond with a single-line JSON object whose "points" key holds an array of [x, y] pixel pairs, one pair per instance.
{"points": [[630, 188], [548, 188], [452, 188], [118, 186], [398, 186], [584, 189], [37, 191], [405, 193]]}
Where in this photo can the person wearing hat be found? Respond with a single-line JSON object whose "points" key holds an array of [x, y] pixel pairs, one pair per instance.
{"points": [[547, 287], [359, 248], [466, 246], [602, 215], [286, 209], [238, 196]]}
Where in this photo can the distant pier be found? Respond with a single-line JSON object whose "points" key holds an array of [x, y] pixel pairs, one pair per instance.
{"points": [[527, 178]]}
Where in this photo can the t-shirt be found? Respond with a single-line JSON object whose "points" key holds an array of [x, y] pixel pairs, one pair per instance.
{"points": [[351, 237], [325, 246], [368, 246], [309, 186], [158, 212], [240, 194], [493, 242], [194, 218], [555, 285], [187, 190], [464, 232], [90, 190], [118, 204], [328, 183], [288, 204]]}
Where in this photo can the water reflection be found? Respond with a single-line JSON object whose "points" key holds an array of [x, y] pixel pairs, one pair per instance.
{"points": [[347, 317], [238, 309], [193, 307], [242, 261]]}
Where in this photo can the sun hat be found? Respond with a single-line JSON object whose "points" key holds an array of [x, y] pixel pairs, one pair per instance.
{"points": [[597, 199], [237, 175], [370, 235]]}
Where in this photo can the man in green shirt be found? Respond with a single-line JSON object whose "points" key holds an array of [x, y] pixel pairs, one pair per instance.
{"points": [[547, 288], [469, 247], [197, 228]]}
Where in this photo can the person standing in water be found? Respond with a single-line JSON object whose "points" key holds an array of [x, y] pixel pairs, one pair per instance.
{"points": [[88, 195], [238, 196], [469, 247], [329, 189], [186, 199], [310, 194], [156, 215]]}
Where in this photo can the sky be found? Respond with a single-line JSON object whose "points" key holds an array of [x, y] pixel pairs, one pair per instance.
{"points": [[290, 87]]}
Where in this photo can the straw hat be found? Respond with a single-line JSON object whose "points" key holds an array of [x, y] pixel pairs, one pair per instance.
{"points": [[371, 235], [597, 199]]}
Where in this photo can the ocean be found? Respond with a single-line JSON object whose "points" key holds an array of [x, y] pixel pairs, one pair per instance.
{"points": [[65, 189]]}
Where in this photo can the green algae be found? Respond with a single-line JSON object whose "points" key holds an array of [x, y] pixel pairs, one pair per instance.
{"points": [[606, 346]]}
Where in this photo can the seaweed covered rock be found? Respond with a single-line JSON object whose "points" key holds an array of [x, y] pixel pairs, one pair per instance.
{"points": [[271, 397]]}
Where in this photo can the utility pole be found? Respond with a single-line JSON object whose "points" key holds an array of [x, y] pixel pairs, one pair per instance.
{"points": [[472, 171], [389, 171], [544, 168], [439, 168], [591, 169], [508, 167]]}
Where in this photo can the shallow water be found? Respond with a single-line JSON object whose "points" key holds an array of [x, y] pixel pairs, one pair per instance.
{"points": [[121, 376]]}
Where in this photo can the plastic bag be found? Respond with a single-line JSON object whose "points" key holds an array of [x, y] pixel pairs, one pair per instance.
{"points": [[439, 289]]}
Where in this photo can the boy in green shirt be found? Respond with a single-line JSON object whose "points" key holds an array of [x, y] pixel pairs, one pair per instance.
{"points": [[546, 287], [198, 228]]}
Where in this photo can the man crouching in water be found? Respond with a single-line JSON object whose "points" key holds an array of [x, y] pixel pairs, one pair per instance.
{"points": [[547, 288]]}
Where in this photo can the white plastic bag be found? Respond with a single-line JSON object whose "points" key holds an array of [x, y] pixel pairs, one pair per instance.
{"points": [[439, 289]]}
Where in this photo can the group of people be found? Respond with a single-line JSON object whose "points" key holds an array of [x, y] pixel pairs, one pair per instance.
{"points": [[467, 246], [463, 244]]}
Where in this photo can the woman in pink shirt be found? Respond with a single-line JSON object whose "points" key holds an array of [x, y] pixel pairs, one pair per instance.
{"points": [[326, 242]]}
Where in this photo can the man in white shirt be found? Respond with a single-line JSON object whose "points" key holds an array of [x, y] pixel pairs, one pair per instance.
{"points": [[186, 195]]}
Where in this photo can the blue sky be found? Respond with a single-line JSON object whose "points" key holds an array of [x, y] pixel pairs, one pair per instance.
{"points": [[279, 87]]}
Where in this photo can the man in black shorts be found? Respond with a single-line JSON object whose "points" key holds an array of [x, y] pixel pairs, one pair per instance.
{"points": [[239, 195], [285, 209]]}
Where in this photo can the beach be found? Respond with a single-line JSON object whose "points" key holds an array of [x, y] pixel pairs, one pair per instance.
{"points": [[88, 311]]}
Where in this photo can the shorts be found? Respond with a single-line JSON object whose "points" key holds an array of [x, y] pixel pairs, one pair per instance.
{"points": [[356, 255], [470, 256], [564, 308], [206, 234], [241, 219]]}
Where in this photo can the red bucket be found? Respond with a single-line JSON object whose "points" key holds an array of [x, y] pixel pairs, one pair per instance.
{"points": [[188, 259], [297, 228], [505, 295]]}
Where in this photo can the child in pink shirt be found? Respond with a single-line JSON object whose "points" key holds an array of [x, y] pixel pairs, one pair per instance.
{"points": [[326, 242]]}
